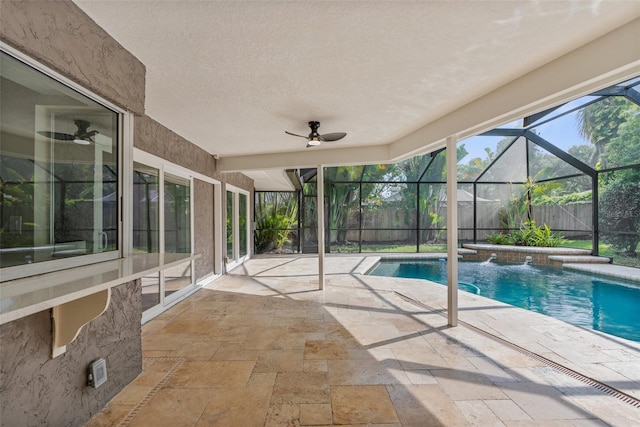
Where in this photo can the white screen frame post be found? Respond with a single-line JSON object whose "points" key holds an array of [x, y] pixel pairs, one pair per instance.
{"points": [[452, 231], [320, 209]]}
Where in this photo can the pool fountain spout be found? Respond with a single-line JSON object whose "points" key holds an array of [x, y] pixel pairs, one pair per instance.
{"points": [[527, 260], [491, 258]]}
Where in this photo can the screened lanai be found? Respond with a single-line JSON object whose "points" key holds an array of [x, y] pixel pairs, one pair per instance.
{"points": [[574, 168]]}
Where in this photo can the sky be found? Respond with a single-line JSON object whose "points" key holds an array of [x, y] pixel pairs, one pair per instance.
{"points": [[562, 132]]}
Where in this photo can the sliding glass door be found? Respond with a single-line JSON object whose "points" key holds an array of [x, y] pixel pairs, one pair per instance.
{"points": [[146, 225], [237, 214], [177, 230], [162, 223]]}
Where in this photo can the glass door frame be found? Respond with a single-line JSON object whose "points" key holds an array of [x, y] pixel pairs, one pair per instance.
{"points": [[231, 263], [166, 167]]}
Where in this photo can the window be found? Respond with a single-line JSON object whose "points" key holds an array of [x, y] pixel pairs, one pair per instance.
{"points": [[59, 175]]}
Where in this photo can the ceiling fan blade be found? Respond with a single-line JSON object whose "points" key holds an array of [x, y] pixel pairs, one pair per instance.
{"points": [[328, 137], [57, 135], [289, 133]]}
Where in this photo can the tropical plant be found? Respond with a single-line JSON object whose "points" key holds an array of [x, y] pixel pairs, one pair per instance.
{"points": [[343, 189], [276, 218], [500, 239], [529, 234], [272, 232]]}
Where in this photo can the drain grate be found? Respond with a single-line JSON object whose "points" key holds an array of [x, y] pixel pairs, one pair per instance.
{"points": [[605, 388], [178, 361]]}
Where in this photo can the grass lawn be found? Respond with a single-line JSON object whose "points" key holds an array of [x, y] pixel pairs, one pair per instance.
{"points": [[388, 248], [605, 250]]}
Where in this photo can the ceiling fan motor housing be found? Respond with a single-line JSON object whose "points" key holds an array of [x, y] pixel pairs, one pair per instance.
{"points": [[314, 129]]}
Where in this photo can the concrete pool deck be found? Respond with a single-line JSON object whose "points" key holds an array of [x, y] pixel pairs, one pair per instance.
{"points": [[609, 270], [263, 346], [582, 350]]}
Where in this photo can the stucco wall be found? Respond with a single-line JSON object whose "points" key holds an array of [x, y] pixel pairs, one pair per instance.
{"points": [[156, 139], [35, 389], [38, 390], [61, 36]]}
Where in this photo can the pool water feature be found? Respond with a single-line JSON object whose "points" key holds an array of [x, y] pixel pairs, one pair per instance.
{"points": [[594, 302]]}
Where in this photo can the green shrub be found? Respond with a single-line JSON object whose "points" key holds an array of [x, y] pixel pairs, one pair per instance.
{"points": [[272, 231], [501, 239], [529, 235]]}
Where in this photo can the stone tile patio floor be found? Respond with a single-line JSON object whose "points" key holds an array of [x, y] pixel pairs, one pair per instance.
{"points": [[262, 346]]}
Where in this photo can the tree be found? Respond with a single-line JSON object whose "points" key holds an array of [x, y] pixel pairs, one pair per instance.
{"points": [[624, 150], [276, 217], [620, 191], [599, 123], [342, 188], [613, 127], [621, 214]]}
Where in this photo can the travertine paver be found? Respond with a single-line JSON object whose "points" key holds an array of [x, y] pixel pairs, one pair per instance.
{"points": [[358, 404], [262, 346]]}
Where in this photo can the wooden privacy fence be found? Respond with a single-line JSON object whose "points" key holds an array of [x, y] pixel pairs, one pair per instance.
{"points": [[397, 224]]}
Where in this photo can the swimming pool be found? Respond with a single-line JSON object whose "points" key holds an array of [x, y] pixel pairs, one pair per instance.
{"points": [[608, 305]]}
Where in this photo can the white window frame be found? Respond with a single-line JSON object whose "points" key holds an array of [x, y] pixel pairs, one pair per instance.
{"points": [[125, 142], [237, 260], [164, 166]]}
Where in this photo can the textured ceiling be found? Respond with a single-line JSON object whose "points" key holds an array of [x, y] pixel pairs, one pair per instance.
{"points": [[233, 76]]}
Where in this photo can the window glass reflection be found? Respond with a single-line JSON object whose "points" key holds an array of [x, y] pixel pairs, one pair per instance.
{"points": [[58, 170], [242, 221], [146, 220], [230, 223], [177, 214]]}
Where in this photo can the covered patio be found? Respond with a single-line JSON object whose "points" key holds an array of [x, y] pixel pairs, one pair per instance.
{"points": [[262, 346]]}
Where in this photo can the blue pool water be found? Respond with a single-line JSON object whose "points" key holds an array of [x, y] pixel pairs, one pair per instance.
{"points": [[593, 302]]}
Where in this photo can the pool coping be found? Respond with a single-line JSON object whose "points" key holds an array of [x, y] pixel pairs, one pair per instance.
{"points": [[631, 274], [615, 271]]}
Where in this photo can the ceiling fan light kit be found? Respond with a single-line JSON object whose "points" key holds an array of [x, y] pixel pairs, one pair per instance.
{"points": [[314, 138], [82, 141]]}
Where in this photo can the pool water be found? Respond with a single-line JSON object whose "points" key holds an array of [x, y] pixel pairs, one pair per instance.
{"points": [[608, 305]]}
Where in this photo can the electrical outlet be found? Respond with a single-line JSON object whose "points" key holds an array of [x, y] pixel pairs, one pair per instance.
{"points": [[97, 374]]}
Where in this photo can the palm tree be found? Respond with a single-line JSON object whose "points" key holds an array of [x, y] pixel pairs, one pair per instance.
{"points": [[599, 123]]}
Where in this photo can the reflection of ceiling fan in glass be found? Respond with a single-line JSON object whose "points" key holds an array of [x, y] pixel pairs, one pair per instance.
{"points": [[83, 136]]}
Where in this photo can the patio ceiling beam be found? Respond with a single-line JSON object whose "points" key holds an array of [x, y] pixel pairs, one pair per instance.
{"points": [[593, 66]]}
